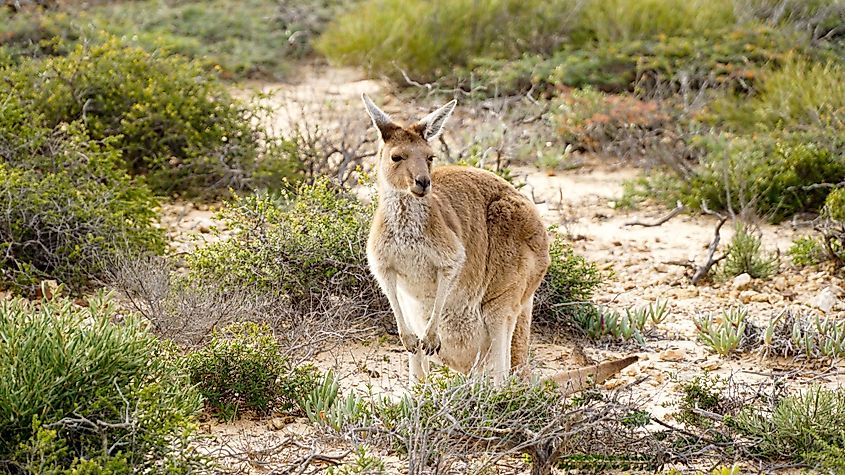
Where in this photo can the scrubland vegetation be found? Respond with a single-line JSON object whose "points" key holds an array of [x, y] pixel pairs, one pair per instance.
{"points": [[110, 112]]}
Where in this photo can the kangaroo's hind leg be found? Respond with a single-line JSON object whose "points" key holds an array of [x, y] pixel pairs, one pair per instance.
{"points": [[500, 319]]}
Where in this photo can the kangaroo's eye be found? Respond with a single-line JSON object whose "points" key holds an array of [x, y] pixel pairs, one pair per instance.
{"points": [[396, 158], [430, 158]]}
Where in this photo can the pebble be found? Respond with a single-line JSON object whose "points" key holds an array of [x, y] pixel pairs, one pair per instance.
{"points": [[742, 281], [673, 354], [747, 295], [825, 300]]}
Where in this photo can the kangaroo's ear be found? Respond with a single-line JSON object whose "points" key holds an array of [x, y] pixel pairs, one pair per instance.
{"points": [[430, 126], [380, 119]]}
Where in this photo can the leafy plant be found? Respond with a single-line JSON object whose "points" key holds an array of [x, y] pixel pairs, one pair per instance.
{"points": [[428, 39], [568, 286], [170, 120], [89, 390], [365, 463], [599, 322], [807, 251], [745, 256], [794, 334], [726, 333], [69, 208], [244, 368], [259, 42], [798, 427], [307, 242], [322, 406], [701, 392]]}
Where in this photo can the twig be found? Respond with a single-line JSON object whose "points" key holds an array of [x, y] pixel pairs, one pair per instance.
{"points": [[711, 250], [679, 207]]}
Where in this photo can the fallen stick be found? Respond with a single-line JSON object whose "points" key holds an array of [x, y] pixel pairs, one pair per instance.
{"points": [[711, 250], [678, 208]]}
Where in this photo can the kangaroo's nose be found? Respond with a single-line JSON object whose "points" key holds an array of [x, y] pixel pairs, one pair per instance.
{"points": [[423, 182]]}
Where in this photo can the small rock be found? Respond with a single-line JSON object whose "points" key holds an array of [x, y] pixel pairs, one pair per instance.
{"points": [[205, 229], [613, 383], [279, 423], [684, 292], [747, 296], [781, 283], [657, 377], [711, 365], [825, 300], [742, 281], [673, 354]]}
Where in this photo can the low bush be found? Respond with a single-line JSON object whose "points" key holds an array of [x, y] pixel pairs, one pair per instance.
{"points": [[773, 177], [450, 416], [568, 286], [600, 322], [807, 251], [800, 335], [308, 243], [727, 332], [806, 427], [259, 42], [745, 255], [616, 125], [428, 39], [799, 96], [832, 225], [69, 208], [171, 121], [89, 390], [243, 368]]}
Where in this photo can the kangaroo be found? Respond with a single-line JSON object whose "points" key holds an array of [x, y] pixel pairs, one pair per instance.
{"points": [[459, 253]]}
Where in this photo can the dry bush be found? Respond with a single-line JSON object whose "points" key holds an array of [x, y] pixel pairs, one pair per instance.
{"points": [[188, 311], [455, 424], [331, 138]]}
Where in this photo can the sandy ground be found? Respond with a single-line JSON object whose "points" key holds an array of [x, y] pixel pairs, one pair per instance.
{"points": [[581, 202]]}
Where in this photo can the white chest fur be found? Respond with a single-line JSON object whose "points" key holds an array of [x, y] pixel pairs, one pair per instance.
{"points": [[405, 249]]}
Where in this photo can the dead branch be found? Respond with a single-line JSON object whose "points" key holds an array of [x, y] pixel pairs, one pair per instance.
{"points": [[679, 207], [711, 250]]}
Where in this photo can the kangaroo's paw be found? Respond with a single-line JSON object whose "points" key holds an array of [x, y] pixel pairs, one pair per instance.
{"points": [[430, 344], [409, 341]]}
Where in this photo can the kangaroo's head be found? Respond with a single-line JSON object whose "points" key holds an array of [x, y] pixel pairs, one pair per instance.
{"points": [[405, 156]]}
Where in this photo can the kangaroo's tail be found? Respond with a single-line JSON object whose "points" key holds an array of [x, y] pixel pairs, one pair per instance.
{"points": [[579, 379]]}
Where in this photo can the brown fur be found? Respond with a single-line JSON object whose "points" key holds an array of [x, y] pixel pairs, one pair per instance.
{"points": [[459, 252]]}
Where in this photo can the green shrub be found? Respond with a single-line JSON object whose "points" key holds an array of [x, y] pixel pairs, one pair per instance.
{"points": [[69, 209], [745, 255], [701, 392], [615, 124], [800, 95], [89, 390], [771, 176], [455, 415], [807, 251], [568, 286], [365, 463], [243, 368], [170, 120], [428, 39], [258, 42], [308, 243], [800, 335], [626, 20], [798, 427]]}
